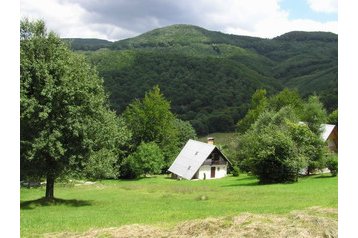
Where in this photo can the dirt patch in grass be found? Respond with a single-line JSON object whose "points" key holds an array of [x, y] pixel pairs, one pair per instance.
{"points": [[312, 222]]}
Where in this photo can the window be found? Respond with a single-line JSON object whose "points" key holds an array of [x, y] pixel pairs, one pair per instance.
{"points": [[218, 168]]}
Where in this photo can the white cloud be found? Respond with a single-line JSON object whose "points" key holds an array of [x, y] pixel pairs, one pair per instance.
{"points": [[69, 19], [257, 18], [119, 19], [325, 6]]}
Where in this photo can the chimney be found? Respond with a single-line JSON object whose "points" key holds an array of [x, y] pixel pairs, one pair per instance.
{"points": [[211, 140]]}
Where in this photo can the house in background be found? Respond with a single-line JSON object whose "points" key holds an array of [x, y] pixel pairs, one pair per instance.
{"points": [[198, 160], [330, 136]]}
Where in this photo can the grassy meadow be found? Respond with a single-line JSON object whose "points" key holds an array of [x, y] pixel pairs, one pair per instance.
{"points": [[165, 202]]}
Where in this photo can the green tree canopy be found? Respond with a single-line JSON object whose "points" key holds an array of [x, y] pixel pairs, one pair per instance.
{"points": [[314, 114], [65, 120], [310, 146], [150, 120], [286, 97], [258, 105], [333, 117], [185, 131], [276, 148], [268, 151], [147, 159]]}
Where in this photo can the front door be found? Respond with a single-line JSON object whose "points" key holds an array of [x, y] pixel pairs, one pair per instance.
{"points": [[213, 172]]}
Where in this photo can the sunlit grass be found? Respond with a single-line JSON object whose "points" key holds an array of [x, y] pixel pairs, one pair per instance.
{"points": [[165, 202]]}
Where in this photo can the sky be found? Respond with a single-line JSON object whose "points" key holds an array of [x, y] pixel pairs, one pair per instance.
{"points": [[120, 19]]}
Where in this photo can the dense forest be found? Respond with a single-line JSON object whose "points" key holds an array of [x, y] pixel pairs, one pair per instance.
{"points": [[209, 77]]}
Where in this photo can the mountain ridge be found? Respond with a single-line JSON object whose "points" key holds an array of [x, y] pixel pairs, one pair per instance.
{"points": [[210, 76]]}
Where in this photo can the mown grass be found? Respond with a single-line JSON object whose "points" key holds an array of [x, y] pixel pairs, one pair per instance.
{"points": [[166, 202]]}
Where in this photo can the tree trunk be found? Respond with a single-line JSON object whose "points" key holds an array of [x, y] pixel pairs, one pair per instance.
{"points": [[50, 182]]}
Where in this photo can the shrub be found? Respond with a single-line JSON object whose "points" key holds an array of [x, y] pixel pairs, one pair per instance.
{"points": [[235, 171], [332, 164], [147, 159], [130, 168]]}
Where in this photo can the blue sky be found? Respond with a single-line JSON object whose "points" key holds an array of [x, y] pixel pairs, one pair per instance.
{"points": [[299, 9], [120, 19]]}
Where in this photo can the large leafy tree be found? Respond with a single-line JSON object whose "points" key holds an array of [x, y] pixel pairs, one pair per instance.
{"points": [[185, 131], [150, 120], [314, 114], [268, 149], [277, 147], [65, 120], [258, 105], [309, 145], [286, 97], [333, 117]]}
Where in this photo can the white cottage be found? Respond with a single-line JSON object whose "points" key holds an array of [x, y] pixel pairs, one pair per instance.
{"points": [[198, 160], [330, 136]]}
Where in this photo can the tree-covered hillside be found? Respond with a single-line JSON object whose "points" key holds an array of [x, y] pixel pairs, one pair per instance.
{"points": [[87, 44], [209, 76]]}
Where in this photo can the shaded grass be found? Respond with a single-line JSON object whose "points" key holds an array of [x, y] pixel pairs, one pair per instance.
{"points": [[31, 204], [166, 202]]}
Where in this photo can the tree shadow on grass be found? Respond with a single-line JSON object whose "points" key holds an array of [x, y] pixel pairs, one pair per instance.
{"points": [[41, 202], [256, 183], [247, 181], [252, 181], [323, 176], [137, 179]]}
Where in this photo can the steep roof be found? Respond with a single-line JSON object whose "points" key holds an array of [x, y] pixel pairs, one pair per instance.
{"points": [[190, 158], [327, 130]]}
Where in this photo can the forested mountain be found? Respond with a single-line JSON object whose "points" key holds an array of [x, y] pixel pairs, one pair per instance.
{"points": [[87, 44], [209, 76]]}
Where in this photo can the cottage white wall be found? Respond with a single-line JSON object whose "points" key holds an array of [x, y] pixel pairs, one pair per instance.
{"points": [[204, 169], [220, 171]]}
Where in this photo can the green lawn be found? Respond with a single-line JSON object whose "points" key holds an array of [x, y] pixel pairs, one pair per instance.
{"points": [[165, 202]]}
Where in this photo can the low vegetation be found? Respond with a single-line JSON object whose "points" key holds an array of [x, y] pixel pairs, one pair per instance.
{"points": [[164, 203]]}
